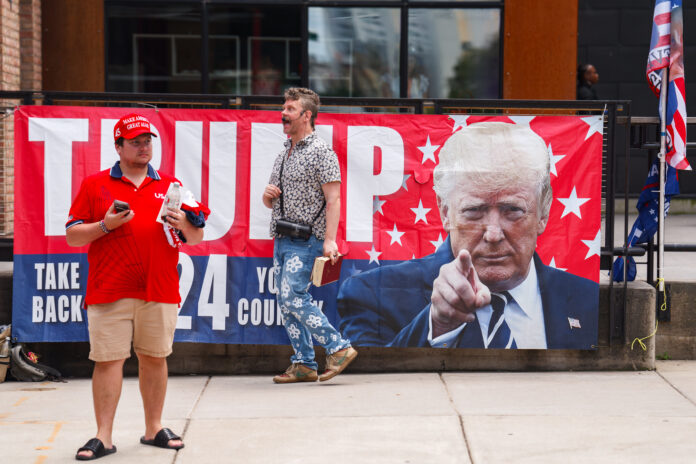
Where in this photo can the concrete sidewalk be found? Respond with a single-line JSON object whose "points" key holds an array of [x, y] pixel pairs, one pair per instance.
{"points": [[532, 417]]}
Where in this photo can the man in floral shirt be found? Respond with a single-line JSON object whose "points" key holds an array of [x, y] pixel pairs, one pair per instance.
{"points": [[305, 188]]}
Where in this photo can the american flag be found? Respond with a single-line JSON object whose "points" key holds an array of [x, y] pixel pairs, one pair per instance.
{"points": [[666, 50], [645, 226]]}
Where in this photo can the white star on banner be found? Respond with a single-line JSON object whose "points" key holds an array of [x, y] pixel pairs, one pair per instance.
{"points": [[377, 205], [596, 124], [594, 245], [403, 183], [459, 121], [354, 270], [522, 120], [572, 204], [438, 242], [553, 264], [420, 212], [553, 159], [428, 151], [373, 255], [395, 235]]}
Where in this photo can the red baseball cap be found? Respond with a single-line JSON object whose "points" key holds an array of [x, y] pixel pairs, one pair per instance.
{"points": [[131, 126]]}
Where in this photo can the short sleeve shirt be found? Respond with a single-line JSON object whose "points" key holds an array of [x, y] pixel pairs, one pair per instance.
{"points": [[134, 260], [311, 164]]}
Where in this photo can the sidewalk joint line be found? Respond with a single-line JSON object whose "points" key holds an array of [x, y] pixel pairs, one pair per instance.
{"points": [[190, 414], [459, 416], [675, 388]]}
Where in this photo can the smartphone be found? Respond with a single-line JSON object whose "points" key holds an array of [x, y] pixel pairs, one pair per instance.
{"points": [[121, 206]]}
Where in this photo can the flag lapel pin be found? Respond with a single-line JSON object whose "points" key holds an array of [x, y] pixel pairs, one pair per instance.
{"points": [[574, 323]]}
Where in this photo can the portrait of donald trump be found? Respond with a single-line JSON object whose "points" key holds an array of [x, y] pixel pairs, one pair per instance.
{"points": [[485, 286]]}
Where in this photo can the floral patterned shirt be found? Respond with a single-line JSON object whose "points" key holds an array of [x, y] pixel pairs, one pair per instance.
{"points": [[311, 164]]}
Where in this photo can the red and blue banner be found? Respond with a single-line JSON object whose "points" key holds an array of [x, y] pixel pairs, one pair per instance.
{"points": [[389, 210]]}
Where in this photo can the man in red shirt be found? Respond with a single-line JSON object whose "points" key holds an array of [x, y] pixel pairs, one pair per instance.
{"points": [[132, 285]]}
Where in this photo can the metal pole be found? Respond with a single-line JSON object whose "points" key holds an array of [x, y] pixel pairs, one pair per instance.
{"points": [[664, 88]]}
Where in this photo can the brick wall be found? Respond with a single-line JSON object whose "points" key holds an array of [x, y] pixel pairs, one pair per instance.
{"points": [[20, 44], [30, 44], [9, 45], [20, 69], [6, 176]]}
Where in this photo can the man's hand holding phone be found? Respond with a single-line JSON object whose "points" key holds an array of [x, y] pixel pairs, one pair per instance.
{"points": [[118, 214], [121, 206]]}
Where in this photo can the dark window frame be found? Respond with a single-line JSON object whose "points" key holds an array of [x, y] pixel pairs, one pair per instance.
{"points": [[304, 5]]}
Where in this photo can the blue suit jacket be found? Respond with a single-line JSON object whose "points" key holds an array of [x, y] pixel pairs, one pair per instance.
{"points": [[390, 305]]}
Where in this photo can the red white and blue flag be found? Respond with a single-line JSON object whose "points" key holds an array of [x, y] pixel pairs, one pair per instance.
{"points": [[666, 50]]}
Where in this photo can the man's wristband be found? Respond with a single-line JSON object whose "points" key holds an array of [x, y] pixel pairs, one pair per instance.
{"points": [[103, 227]]}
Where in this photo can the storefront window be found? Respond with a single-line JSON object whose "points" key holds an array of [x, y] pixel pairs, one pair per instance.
{"points": [[354, 52], [154, 48], [453, 53], [254, 51], [251, 50], [238, 48]]}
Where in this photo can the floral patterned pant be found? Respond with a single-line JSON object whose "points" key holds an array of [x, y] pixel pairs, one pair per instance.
{"points": [[292, 264]]}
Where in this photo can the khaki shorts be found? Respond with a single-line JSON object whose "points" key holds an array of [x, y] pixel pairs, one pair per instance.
{"points": [[148, 325]]}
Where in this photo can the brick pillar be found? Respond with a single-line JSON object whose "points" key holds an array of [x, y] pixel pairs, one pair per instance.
{"points": [[9, 45], [10, 79], [30, 44], [6, 174]]}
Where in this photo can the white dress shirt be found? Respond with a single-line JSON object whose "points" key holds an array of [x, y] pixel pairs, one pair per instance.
{"points": [[524, 315]]}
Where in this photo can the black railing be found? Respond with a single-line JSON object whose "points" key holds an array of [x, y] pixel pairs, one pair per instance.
{"points": [[645, 136]]}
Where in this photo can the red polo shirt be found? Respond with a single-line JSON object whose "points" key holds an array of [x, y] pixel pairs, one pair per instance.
{"points": [[134, 260]]}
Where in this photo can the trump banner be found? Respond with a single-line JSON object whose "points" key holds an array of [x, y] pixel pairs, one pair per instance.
{"points": [[391, 217]]}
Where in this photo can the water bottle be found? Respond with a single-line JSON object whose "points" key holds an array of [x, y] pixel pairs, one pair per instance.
{"points": [[172, 200], [174, 196]]}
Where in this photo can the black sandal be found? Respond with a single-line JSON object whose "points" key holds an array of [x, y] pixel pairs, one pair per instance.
{"points": [[162, 439], [96, 446]]}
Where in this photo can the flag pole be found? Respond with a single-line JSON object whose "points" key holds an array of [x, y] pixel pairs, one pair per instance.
{"points": [[664, 88]]}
